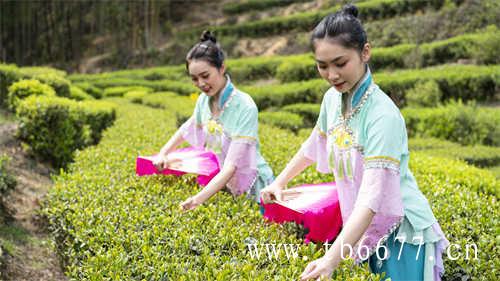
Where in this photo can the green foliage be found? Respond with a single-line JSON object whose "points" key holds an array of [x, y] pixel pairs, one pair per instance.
{"points": [[309, 111], [478, 155], [76, 93], [119, 91], [182, 106], [465, 124], [89, 89], [279, 95], [424, 94], [282, 119], [60, 84], [135, 96], [25, 88], [9, 73], [465, 82], [55, 127], [256, 5], [305, 21], [110, 224], [7, 181]]}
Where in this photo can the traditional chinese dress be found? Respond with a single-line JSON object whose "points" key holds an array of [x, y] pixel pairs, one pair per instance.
{"points": [[367, 151], [233, 137]]}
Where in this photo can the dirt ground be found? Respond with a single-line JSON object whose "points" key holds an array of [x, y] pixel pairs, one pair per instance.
{"points": [[28, 253]]}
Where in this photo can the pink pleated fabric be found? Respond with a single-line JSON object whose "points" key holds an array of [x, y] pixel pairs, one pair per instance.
{"points": [[314, 148], [241, 153], [193, 160], [238, 151], [317, 211]]}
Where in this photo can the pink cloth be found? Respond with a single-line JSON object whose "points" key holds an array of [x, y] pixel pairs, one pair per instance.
{"points": [[193, 160], [239, 151], [318, 211], [441, 246], [239, 154], [314, 148]]}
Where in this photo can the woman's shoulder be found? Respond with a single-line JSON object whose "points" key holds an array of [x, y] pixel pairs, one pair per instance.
{"points": [[381, 104], [243, 101]]}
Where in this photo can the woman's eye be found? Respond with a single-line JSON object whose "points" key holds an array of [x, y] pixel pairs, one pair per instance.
{"points": [[205, 76], [342, 64], [321, 66]]}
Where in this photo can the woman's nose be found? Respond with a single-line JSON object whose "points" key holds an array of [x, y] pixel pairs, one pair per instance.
{"points": [[333, 75]]}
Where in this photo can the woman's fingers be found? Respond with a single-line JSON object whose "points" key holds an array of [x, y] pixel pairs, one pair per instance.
{"points": [[309, 271]]}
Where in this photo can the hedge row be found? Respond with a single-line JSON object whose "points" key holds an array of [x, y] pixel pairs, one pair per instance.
{"points": [[480, 47], [181, 87], [56, 79], [465, 82], [282, 119], [256, 5], [55, 127], [477, 155], [465, 124], [305, 21], [110, 224], [182, 106]]}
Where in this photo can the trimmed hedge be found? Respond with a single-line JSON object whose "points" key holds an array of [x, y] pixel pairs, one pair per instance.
{"points": [[135, 96], [9, 73], [480, 47], [55, 127], [309, 111], [305, 21], [282, 119], [465, 124], [89, 89], [25, 88], [256, 5], [110, 224], [76, 93], [181, 105], [122, 90], [279, 95], [466, 82], [477, 155]]}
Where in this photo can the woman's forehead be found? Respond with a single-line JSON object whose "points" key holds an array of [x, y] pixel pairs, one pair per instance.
{"points": [[197, 67], [328, 50]]}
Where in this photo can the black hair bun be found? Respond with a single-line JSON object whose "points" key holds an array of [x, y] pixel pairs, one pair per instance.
{"points": [[350, 9], [208, 36]]}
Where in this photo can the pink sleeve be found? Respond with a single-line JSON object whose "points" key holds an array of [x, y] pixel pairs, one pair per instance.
{"points": [[380, 187], [314, 148], [193, 133], [242, 153]]}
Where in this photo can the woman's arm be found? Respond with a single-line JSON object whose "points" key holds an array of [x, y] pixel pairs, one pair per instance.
{"points": [[353, 230], [298, 163], [215, 185], [161, 162]]}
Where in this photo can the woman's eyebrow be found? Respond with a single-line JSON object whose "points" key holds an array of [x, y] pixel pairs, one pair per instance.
{"points": [[332, 61], [202, 73]]}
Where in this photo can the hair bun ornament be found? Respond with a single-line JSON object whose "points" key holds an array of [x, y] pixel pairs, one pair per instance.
{"points": [[207, 36], [350, 10]]}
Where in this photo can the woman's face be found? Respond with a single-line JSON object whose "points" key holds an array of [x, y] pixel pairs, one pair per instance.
{"points": [[341, 67], [206, 77]]}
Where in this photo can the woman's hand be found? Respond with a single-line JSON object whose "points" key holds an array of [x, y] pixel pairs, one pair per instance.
{"points": [[162, 163], [190, 203], [272, 192], [319, 269]]}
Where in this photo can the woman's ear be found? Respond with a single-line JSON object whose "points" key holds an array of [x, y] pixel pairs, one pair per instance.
{"points": [[366, 52], [222, 69]]}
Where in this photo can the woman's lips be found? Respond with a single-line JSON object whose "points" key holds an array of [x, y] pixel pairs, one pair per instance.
{"points": [[338, 85]]}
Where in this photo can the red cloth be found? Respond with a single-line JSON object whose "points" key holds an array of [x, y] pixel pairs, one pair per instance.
{"points": [[318, 210]]}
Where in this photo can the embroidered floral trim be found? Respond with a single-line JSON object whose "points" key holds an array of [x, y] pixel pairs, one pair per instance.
{"points": [[380, 242], [243, 137], [372, 162]]}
